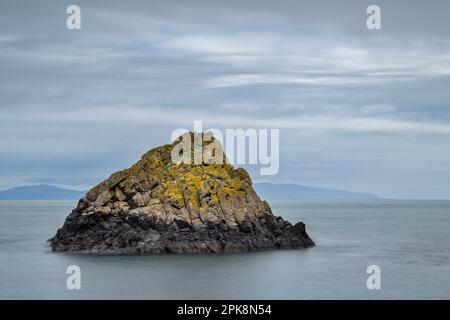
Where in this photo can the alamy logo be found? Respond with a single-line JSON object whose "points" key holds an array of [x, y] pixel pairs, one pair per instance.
{"points": [[73, 22], [250, 146], [374, 280], [73, 281], [374, 20]]}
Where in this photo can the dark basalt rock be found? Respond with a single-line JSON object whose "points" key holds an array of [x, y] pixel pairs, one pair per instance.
{"points": [[160, 207], [119, 234]]}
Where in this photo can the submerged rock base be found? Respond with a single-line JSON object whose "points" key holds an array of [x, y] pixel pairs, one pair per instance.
{"points": [[140, 234]]}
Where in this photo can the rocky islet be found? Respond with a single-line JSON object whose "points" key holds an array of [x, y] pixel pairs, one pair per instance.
{"points": [[158, 206]]}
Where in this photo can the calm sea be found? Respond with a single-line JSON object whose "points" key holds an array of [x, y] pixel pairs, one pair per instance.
{"points": [[408, 240]]}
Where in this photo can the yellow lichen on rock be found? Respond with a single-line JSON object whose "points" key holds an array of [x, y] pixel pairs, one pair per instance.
{"points": [[196, 193]]}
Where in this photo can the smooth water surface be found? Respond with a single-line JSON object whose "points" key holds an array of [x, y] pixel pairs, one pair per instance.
{"points": [[408, 240]]}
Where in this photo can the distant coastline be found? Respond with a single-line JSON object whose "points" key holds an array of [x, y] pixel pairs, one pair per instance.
{"points": [[270, 191], [41, 192], [266, 191]]}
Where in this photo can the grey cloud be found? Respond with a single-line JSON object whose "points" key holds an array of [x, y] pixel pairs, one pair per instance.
{"points": [[358, 110]]}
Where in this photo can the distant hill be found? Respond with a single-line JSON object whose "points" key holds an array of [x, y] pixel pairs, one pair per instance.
{"points": [[41, 192], [271, 191], [267, 191]]}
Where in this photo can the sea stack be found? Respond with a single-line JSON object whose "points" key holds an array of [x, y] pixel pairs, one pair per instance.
{"points": [[159, 206]]}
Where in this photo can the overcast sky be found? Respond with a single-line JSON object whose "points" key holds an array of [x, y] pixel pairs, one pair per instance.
{"points": [[358, 110]]}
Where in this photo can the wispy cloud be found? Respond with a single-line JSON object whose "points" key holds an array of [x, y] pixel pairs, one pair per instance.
{"points": [[292, 79], [240, 43], [131, 115]]}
